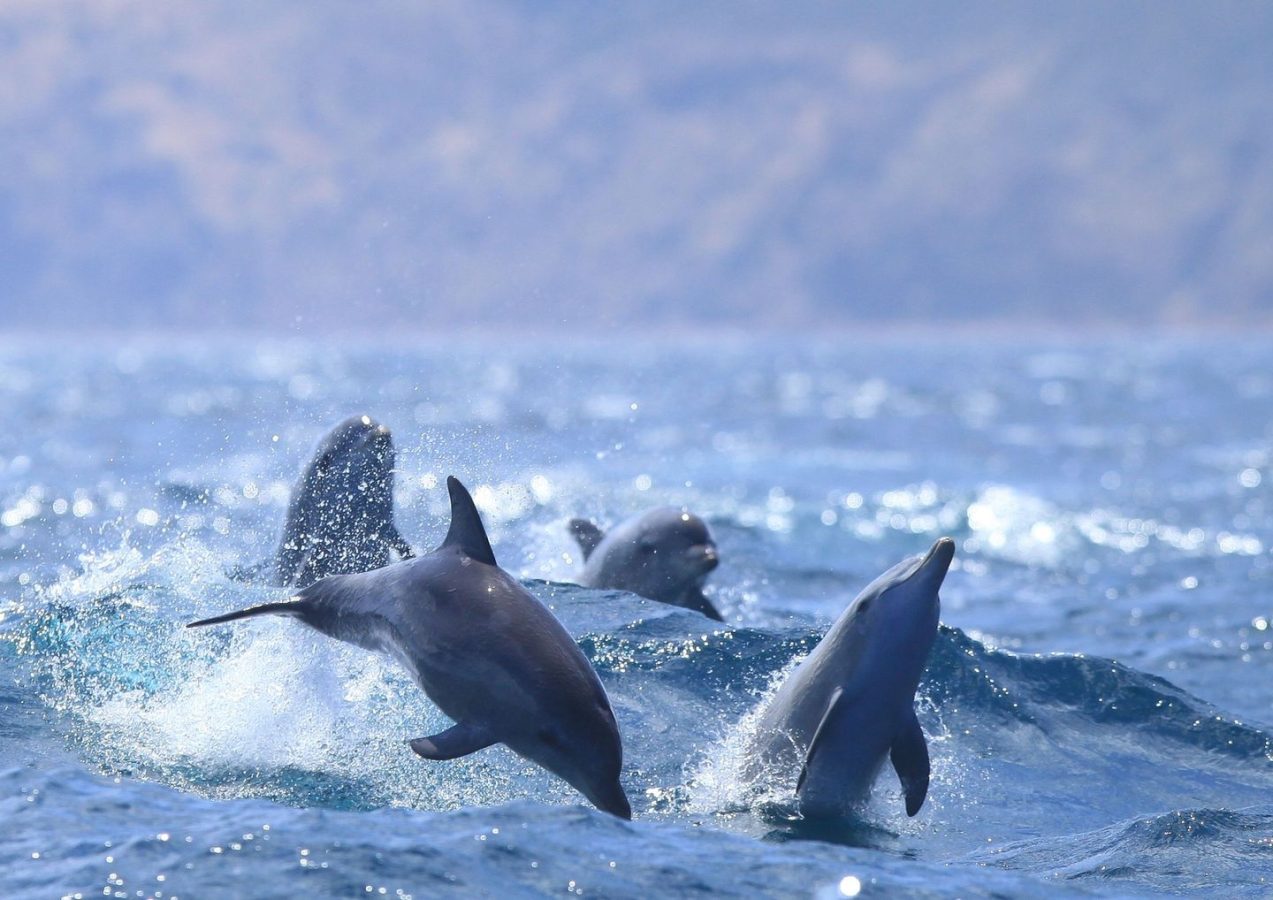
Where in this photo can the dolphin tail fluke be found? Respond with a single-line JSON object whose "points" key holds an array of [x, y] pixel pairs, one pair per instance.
{"points": [[587, 535], [399, 543], [261, 571], [286, 608], [910, 759]]}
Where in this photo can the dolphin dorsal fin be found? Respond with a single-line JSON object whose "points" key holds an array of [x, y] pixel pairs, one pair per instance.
{"points": [[587, 534], [467, 532]]}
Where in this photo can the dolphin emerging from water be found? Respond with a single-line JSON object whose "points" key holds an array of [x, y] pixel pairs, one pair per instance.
{"points": [[491, 656], [340, 518], [851, 702], [664, 554]]}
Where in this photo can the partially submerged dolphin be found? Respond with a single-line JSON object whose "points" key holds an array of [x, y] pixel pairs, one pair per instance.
{"points": [[490, 655], [851, 701], [340, 519], [664, 554]]}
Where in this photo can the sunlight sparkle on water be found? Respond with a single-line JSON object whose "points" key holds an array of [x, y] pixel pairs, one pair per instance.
{"points": [[503, 502], [1043, 532], [541, 489], [850, 886], [25, 508]]}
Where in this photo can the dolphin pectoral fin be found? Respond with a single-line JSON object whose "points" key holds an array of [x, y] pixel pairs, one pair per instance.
{"points": [[587, 535], [696, 600], [816, 743], [467, 532], [458, 740], [910, 758]]}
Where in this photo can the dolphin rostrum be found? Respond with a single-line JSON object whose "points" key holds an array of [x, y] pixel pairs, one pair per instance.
{"points": [[664, 554], [491, 656], [851, 702]]}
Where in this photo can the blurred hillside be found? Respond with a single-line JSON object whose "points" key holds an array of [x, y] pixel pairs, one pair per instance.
{"points": [[569, 164]]}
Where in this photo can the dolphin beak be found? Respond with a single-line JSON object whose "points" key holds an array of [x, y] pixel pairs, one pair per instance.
{"points": [[613, 800], [705, 556], [935, 565]]}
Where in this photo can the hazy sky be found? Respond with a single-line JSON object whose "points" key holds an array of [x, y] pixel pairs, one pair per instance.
{"points": [[319, 166]]}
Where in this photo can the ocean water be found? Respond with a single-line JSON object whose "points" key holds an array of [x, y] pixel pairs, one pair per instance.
{"points": [[1098, 703]]}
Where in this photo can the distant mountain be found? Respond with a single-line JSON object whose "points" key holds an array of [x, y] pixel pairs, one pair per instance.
{"points": [[327, 164]]}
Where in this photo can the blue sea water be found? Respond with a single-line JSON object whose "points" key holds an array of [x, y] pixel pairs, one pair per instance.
{"points": [[1098, 704]]}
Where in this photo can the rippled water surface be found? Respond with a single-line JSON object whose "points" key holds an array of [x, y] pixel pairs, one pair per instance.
{"points": [[1098, 703]]}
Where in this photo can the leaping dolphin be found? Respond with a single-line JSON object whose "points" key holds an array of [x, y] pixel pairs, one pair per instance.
{"points": [[340, 518], [664, 554], [851, 702], [491, 656]]}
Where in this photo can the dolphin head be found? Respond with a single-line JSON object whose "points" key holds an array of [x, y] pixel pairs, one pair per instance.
{"points": [[900, 608], [582, 748], [674, 548], [341, 512], [354, 461]]}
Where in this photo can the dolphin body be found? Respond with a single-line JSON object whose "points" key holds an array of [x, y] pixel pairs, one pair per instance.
{"points": [[340, 518], [491, 656], [664, 554], [851, 702]]}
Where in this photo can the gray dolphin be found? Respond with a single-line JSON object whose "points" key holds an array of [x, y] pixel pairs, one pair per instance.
{"points": [[340, 518], [490, 655], [664, 554], [851, 702]]}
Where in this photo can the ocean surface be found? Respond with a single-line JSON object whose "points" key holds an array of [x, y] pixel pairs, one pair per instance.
{"points": [[1098, 705]]}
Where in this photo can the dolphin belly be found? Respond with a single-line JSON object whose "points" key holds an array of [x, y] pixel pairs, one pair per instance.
{"points": [[844, 755]]}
